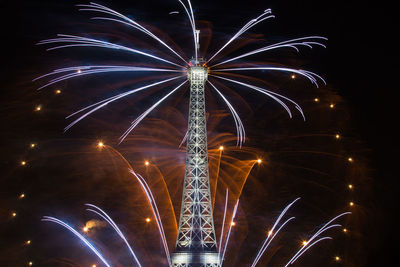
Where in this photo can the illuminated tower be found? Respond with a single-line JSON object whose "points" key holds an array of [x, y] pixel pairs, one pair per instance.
{"points": [[196, 245]]}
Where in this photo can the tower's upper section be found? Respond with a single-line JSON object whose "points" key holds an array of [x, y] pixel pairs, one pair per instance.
{"points": [[197, 74]]}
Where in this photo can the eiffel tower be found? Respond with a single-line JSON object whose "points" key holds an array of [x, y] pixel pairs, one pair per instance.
{"points": [[196, 244]]}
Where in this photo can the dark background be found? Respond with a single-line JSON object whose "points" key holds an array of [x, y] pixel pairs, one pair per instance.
{"points": [[360, 63]]}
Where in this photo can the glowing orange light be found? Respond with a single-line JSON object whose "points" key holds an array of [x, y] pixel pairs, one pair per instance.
{"points": [[22, 195], [38, 108], [351, 204], [146, 163], [332, 105], [28, 242], [32, 145], [304, 243], [293, 76], [85, 229], [233, 223], [316, 99], [100, 144], [221, 148], [14, 214], [337, 258], [350, 186], [79, 71], [259, 161], [23, 163], [57, 92], [148, 220], [269, 232], [344, 230], [30, 263], [94, 265], [350, 159], [337, 136]]}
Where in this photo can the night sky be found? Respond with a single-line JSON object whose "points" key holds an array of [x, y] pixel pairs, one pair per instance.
{"points": [[65, 170]]}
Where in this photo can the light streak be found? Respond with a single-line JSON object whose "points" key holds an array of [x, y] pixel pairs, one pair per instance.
{"points": [[192, 23], [110, 221], [196, 41], [308, 74], [165, 185], [79, 41], [229, 231], [307, 247], [105, 102], [273, 95], [87, 70], [265, 15], [144, 114], [221, 148], [72, 230], [125, 20], [223, 221], [154, 209], [240, 132], [269, 239], [293, 43], [324, 228]]}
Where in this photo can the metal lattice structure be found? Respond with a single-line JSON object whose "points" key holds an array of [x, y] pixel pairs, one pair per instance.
{"points": [[196, 244]]}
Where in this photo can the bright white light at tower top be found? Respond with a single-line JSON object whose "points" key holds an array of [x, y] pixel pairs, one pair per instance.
{"points": [[198, 74]]}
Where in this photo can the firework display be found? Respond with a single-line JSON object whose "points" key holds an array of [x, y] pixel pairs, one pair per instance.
{"points": [[191, 187]]}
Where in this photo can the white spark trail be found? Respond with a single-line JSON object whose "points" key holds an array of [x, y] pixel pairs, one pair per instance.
{"points": [[308, 74], [324, 228], [194, 26], [125, 20], [144, 114], [269, 239], [265, 246], [108, 219], [192, 23], [79, 41], [229, 231], [247, 26], [223, 222], [273, 95], [293, 43], [87, 70], [87, 243], [308, 247], [154, 208], [240, 132], [105, 102]]}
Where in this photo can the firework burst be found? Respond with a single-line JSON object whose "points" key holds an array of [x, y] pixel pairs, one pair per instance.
{"points": [[221, 70]]}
